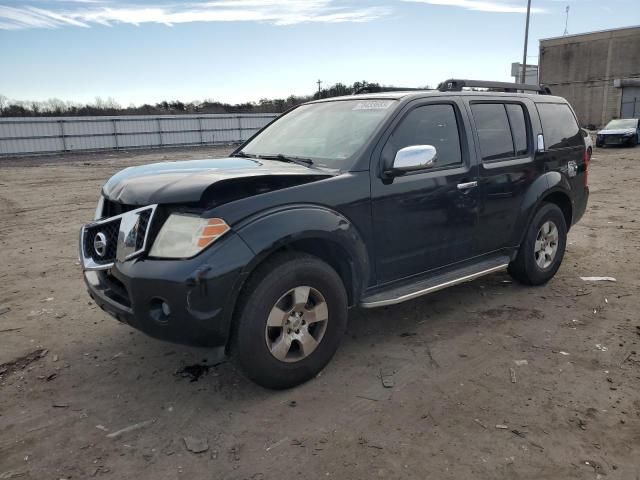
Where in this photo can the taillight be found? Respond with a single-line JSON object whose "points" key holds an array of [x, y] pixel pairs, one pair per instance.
{"points": [[586, 167]]}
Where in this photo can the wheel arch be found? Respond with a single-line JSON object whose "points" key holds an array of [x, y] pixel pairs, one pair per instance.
{"points": [[563, 201], [552, 187], [315, 230]]}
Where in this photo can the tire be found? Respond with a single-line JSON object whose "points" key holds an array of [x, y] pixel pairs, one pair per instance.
{"points": [[530, 267], [274, 356], [589, 152]]}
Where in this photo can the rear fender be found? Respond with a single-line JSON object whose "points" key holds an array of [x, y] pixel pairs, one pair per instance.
{"points": [[544, 186]]}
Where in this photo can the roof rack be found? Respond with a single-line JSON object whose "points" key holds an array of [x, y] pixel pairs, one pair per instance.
{"points": [[456, 85], [378, 89]]}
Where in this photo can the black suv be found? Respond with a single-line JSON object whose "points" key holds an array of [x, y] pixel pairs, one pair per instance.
{"points": [[367, 200]]}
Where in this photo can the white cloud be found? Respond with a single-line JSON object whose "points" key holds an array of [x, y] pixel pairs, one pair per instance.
{"points": [[481, 5], [279, 12]]}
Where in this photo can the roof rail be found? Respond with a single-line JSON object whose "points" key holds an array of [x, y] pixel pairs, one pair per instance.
{"points": [[456, 85], [378, 89]]}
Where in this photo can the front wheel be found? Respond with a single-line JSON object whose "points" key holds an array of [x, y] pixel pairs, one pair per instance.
{"points": [[541, 253], [291, 319]]}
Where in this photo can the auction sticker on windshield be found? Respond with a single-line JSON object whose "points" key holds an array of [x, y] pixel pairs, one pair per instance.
{"points": [[373, 105]]}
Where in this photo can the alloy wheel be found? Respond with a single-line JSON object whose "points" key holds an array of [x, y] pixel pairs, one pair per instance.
{"points": [[546, 246], [296, 324]]}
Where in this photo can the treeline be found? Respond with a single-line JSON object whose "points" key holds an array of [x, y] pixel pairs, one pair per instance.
{"points": [[55, 107]]}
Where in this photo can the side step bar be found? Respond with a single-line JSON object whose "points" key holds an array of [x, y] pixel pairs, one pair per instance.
{"points": [[433, 284]]}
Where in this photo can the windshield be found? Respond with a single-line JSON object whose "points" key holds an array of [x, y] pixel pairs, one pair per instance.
{"points": [[329, 133], [622, 123]]}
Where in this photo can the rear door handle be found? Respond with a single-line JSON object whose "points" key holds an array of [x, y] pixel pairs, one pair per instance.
{"points": [[467, 185]]}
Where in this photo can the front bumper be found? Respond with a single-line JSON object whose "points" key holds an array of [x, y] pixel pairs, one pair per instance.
{"points": [[615, 139], [184, 301]]}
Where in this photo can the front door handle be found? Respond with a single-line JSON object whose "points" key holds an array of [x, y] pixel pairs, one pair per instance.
{"points": [[467, 185]]}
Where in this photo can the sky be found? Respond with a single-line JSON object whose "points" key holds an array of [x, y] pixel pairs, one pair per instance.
{"points": [[145, 51]]}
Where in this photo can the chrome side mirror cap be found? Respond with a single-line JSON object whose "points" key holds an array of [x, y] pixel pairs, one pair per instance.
{"points": [[415, 157]]}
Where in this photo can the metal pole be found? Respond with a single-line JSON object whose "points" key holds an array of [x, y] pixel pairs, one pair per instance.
{"points": [[115, 133], [160, 131], [62, 135], [239, 128], [200, 130], [526, 41]]}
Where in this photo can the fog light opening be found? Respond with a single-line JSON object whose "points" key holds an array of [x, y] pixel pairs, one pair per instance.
{"points": [[159, 310]]}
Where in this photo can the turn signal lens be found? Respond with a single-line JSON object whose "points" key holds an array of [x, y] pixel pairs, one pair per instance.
{"points": [[215, 228], [183, 236]]}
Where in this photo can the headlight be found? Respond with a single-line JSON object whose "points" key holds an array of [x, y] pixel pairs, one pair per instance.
{"points": [[628, 134], [184, 236]]}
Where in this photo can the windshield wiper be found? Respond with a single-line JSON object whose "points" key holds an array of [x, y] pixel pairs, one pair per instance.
{"points": [[307, 162], [243, 155]]}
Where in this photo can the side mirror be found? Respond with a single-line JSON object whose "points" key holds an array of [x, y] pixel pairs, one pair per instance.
{"points": [[415, 157], [585, 134]]}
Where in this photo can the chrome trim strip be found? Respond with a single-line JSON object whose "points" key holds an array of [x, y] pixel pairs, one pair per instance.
{"points": [[435, 288], [88, 263], [99, 208]]}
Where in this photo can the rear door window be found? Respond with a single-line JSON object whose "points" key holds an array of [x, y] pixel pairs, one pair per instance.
{"points": [[559, 126], [518, 128], [502, 130], [494, 132]]}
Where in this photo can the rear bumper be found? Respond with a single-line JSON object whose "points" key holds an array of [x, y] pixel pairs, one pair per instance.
{"points": [[182, 301], [580, 205]]}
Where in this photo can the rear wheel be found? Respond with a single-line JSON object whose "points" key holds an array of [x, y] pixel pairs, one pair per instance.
{"points": [[541, 253], [291, 320]]}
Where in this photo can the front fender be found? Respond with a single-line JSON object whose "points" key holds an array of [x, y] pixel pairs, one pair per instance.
{"points": [[277, 228]]}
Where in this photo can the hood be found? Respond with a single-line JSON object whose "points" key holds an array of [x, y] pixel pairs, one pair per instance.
{"points": [[617, 131], [187, 181]]}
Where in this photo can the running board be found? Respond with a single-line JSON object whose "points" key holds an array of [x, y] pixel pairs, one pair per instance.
{"points": [[433, 284]]}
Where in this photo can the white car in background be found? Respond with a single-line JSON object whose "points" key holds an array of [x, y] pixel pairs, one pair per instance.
{"points": [[588, 143]]}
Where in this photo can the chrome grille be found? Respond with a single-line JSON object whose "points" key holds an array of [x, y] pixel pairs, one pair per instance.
{"points": [[122, 237], [110, 231]]}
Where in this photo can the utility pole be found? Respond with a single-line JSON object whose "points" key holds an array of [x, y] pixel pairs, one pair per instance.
{"points": [[566, 23], [523, 76], [319, 82]]}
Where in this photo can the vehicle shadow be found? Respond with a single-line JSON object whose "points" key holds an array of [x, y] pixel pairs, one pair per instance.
{"points": [[170, 368]]}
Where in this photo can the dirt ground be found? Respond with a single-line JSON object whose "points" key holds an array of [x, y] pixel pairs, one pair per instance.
{"points": [[491, 380]]}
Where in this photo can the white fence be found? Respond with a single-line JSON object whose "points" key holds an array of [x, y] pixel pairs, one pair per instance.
{"points": [[38, 135]]}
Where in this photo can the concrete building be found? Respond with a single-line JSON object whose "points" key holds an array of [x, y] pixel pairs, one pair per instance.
{"points": [[530, 76], [599, 73]]}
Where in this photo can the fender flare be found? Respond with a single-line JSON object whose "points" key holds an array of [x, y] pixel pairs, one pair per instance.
{"points": [[279, 228], [547, 184]]}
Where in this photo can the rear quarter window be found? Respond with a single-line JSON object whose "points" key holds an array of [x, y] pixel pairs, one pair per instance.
{"points": [[559, 126]]}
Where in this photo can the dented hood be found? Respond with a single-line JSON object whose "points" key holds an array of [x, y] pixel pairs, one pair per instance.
{"points": [[186, 181]]}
